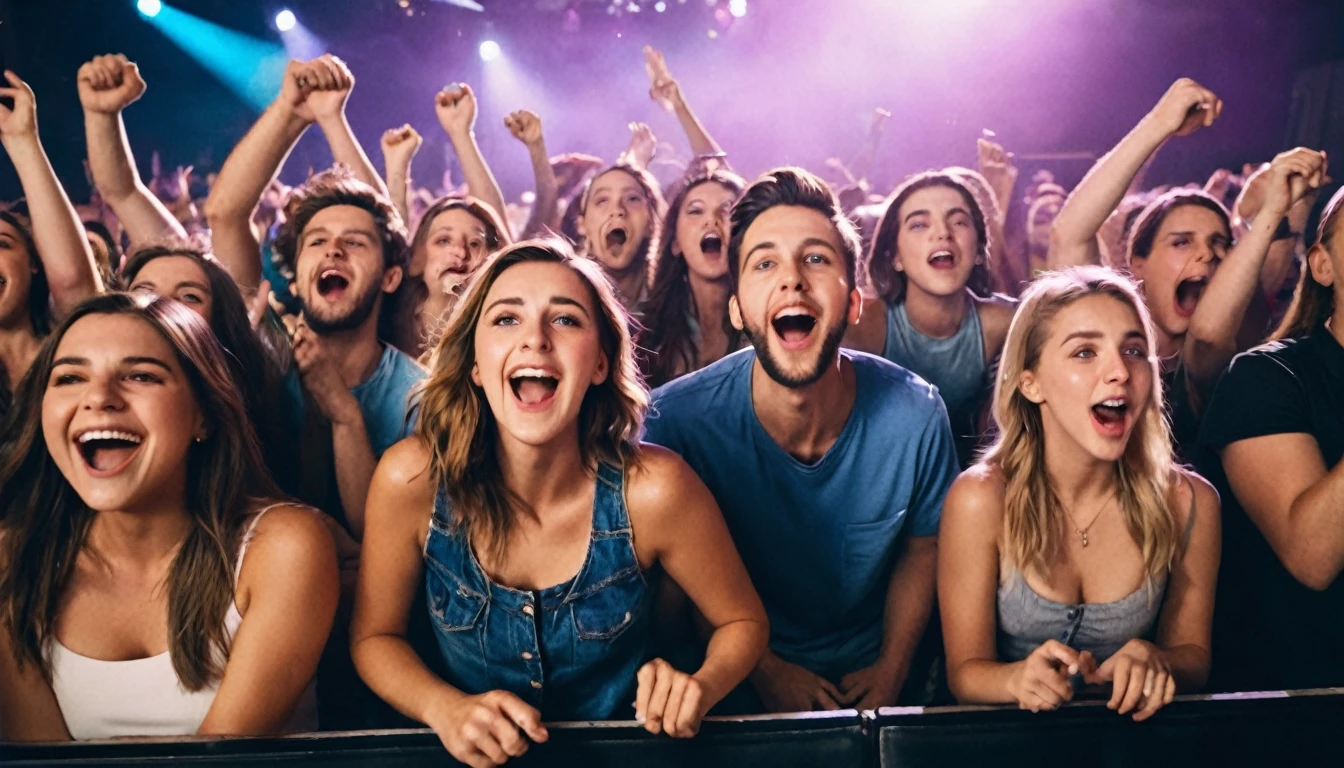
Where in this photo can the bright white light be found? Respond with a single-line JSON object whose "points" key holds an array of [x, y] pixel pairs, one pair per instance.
{"points": [[489, 50], [285, 21], [633, 7], [737, 7], [149, 8], [660, 6]]}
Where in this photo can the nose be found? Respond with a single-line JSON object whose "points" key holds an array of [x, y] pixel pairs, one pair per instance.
{"points": [[335, 250], [1204, 253], [939, 230], [535, 337], [103, 393], [790, 276], [1116, 370]]}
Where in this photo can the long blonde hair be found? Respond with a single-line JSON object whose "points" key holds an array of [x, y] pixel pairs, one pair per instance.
{"points": [[455, 420], [1034, 520]]}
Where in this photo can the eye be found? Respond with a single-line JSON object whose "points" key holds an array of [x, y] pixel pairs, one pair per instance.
{"points": [[569, 320], [634, 199], [441, 241], [504, 319], [319, 240], [764, 264], [354, 242], [1136, 351], [65, 379], [477, 245], [961, 221], [1084, 353], [602, 201], [694, 211], [917, 225], [191, 298], [1180, 242], [817, 258], [143, 377]]}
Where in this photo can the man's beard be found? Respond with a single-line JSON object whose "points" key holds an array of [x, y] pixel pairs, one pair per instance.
{"points": [[349, 321], [829, 347]]}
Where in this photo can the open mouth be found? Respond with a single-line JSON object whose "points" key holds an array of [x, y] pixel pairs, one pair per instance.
{"points": [[711, 246], [1109, 416], [616, 239], [107, 452], [794, 326], [331, 285], [1188, 293], [942, 260], [533, 387], [454, 280]]}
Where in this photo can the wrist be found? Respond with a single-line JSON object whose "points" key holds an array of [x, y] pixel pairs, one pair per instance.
{"points": [[456, 135], [336, 120], [438, 711], [20, 142], [287, 113], [1152, 129], [347, 416]]}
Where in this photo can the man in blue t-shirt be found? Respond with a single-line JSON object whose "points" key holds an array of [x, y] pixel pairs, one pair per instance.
{"points": [[830, 466]]}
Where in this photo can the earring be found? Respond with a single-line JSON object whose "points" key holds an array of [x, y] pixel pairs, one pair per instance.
{"points": [[200, 439]]}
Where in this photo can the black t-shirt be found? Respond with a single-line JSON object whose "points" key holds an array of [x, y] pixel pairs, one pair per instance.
{"points": [[1270, 631]]}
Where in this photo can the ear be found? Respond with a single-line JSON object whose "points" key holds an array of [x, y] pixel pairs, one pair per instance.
{"points": [[855, 310], [896, 262], [476, 374], [734, 312], [1322, 270], [1030, 387], [603, 368], [391, 279], [1137, 267]]}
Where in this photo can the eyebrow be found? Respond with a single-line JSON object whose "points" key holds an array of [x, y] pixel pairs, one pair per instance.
{"points": [[132, 360], [1218, 235], [925, 212], [325, 231], [514, 301], [1093, 335], [817, 241], [184, 284]]}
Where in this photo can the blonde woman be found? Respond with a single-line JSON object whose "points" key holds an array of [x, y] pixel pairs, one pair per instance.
{"points": [[1076, 555], [538, 527]]}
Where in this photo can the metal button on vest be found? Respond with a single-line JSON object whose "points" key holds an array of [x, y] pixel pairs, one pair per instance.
{"points": [[527, 655], [535, 684], [527, 609]]}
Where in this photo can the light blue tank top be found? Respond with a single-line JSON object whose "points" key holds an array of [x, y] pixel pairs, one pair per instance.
{"points": [[955, 365]]}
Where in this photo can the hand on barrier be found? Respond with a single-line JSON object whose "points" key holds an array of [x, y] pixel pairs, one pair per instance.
{"points": [[1040, 682], [669, 700], [1140, 678], [871, 687], [488, 729], [785, 687]]}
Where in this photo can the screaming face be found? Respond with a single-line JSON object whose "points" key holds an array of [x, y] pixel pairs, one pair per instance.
{"points": [[616, 223], [702, 229], [1188, 246], [340, 270], [937, 246]]}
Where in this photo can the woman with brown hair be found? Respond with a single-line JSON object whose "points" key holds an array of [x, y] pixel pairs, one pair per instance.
{"points": [[141, 552], [1076, 538], [538, 525]]}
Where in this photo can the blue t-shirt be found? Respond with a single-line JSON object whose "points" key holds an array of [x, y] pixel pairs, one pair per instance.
{"points": [[819, 540], [383, 398]]}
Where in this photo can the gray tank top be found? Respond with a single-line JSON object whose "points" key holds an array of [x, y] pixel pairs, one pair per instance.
{"points": [[1026, 620], [955, 365]]}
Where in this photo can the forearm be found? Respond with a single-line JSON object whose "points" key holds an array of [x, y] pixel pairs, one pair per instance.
{"points": [[242, 181], [481, 182], [345, 149], [112, 165], [393, 670], [354, 470], [68, 261], [733, 652], [982, 681], [696, 135], [1314, 551], [398, 180], [1073, 238], [545, 208], [910, 599], [1189, 665]]}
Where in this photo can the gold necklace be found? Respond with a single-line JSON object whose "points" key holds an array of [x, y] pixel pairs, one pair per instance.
{"points": [[1082, 532]]}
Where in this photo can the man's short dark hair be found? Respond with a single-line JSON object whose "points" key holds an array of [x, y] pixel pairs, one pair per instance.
{"points": [[791, 186], [339, 187]]}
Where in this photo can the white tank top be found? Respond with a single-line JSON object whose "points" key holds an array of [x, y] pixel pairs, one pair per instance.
{"points": [[143, 697]]}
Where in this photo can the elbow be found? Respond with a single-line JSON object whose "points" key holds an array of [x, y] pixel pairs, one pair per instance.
{"points": [[217, 209], [1312, 572]]}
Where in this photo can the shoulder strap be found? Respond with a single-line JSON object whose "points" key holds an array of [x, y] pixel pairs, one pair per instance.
{"points": [[248, 533]]}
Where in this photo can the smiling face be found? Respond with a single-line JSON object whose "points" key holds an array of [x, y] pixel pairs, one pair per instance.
{"points": [[538, 350], [703, 228], [617, 221], [340, 269], [793, 297], [179, 278], [1094, 377], [937, 246], [456, 246], [1189, 244], [119, 415], [16, 276]]}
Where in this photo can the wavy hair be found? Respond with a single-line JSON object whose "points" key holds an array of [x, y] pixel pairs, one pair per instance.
{"points": [[456, 423], [669, 308], [46, 523], [1313, 302], [1144, 231], [794, 187], [890, 283], [1034, 519]]}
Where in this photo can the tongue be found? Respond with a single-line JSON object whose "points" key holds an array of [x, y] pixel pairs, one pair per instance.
{"points": [[616, 242], [533, 391], [109, 456], [1187, 296], [1108, 415], [793, 334]]}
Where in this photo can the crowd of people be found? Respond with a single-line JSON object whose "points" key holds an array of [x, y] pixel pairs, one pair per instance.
{"points": [[278, 459]]}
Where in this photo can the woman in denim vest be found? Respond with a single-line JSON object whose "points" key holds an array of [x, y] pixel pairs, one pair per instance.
{"points": [[539, 527]]}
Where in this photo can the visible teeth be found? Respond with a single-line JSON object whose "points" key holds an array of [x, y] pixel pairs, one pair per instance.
{"points": [[329, 273], [938, 254], [531, 373], [1113, 403], [108, 434], [793, 312]]}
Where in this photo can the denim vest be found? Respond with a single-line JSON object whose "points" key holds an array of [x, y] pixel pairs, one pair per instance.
{"points": [[571, 650]]}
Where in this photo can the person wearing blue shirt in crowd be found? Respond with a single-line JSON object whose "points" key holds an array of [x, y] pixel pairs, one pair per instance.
{"points": [[830, 465]]}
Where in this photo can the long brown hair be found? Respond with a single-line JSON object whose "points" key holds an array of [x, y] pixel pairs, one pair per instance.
{"points": [[458, 427], [667, 313], [888, 282], [45, 522], [652, 192], [1034, 520], [1313, 302]]}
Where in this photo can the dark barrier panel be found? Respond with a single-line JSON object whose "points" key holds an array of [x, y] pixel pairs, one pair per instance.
{"points": [[837, 739], [1298, 728]]}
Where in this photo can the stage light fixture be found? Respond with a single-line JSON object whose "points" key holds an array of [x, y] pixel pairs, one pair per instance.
{"points": [[737, 7], [490, 50], [285, 21], [149, 8], [660, 6]]}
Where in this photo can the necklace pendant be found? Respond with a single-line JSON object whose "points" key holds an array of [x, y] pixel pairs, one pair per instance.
{"points": [[1084, 535]]}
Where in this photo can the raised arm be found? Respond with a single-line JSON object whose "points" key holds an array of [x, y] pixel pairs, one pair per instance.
{"points": [[256, 160], [399, 147], [455, 107], [328, 105], [1212, 339], [665, 90], [863, 160], [479, 730], [67, 259], [526, 127], [107, 85], [1183, 109]]}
